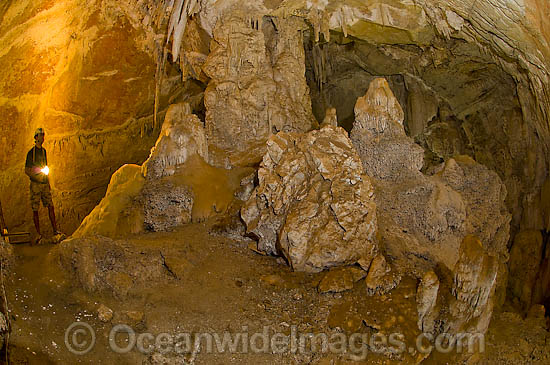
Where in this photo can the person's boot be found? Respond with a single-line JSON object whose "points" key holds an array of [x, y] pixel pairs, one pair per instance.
{"points": [[58, 236]]}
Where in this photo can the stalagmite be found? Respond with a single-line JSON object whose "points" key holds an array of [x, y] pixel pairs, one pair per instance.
{"points": [[426, 298]]}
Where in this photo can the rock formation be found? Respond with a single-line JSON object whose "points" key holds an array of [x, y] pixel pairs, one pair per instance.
{"points": [[101, 264], [313, 204], [182, 135], [148, 197], [426, 299], [257, 86], [174, 186], [119, 212], [166, 204], [464, 305], [425, 216], [427, 223], [474, 283], [330, 118], [380, 278], [525, 262], [468, 81], [379, 136]]}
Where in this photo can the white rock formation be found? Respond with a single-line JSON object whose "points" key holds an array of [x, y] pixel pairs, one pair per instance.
{"points": [[182, 135], [426, 299], [313, 203], [257, 86]]}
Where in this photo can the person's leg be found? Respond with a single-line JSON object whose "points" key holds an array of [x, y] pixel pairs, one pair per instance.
{"points": [[35, 204], [52, 218], [48, 202], [36, 221]]}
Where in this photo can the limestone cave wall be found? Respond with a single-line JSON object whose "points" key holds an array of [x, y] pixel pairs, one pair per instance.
{"points": [[85, 71]]}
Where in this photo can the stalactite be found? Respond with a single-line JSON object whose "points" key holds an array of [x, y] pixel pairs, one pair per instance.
{"points": [[174, 18], [319, 19], [180, 11], [320, 65]]}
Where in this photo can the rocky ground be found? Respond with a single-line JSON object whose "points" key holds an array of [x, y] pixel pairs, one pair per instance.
{"points": [[224, 286]]}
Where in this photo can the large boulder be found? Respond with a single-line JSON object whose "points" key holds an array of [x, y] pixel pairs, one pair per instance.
{"points": [[118, 267], [313, 204]]}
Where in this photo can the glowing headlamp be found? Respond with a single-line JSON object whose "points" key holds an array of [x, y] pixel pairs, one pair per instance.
{"points": [[45, 170]]}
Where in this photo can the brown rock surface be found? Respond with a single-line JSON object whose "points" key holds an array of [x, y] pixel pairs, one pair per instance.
{"points": [[513, 340], [100, 264], [380, 278], [474, 284], [336, 280], [466, 304], [525, 260]]}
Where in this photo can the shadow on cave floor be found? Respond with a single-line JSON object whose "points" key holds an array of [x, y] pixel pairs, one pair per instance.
{"points": [[227, 288]]}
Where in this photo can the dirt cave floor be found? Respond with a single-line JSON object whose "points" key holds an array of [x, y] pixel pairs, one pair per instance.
{"points": [[227, 289]]}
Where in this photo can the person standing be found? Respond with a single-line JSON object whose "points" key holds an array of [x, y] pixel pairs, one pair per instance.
{"points": [[36, 168]]}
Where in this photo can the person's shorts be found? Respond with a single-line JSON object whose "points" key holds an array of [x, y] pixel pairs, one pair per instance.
{"points": [[40, 192]]}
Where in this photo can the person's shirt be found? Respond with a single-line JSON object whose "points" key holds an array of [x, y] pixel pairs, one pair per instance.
{"points": [[36, 158]]}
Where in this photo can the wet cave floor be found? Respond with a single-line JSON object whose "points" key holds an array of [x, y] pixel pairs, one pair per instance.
{"points": [[239, 306]]}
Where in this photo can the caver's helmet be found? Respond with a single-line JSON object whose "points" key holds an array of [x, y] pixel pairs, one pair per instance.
{"points": [[38, 132]]}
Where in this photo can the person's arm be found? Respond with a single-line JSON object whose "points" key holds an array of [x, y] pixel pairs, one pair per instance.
{"points": [[32, 171], [35, 174]]}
